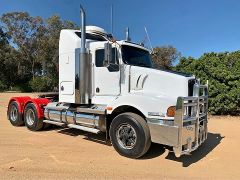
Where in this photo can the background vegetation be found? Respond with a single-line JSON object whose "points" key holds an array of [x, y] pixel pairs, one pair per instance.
{"points": [[223, 72], [29, 61], [29, 51]]}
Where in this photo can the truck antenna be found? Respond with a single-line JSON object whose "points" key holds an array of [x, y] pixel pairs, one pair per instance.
{"points": [[148, 39], [111, 19]]}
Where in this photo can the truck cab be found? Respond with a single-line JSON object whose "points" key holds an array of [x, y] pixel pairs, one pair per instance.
{"points": [[111, 86]]}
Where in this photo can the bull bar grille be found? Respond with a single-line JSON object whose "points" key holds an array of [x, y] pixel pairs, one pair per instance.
{"points": [[191, 112]]}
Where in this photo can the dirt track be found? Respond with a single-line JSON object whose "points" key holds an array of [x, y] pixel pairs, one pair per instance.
{"points": [[73, 154]]}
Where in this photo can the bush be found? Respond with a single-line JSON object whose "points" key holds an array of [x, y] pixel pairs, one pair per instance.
{"points": [[41, 84], [23, 87], [223, 72], [2, 86]]}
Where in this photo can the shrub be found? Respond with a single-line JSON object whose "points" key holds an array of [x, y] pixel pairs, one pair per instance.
{"points": [[223, 72], [41, 84], [2, 86]]}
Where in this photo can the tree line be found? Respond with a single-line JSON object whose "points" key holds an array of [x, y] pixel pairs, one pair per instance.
{"points": [[29, 51], [222, 70], [29, 61]]}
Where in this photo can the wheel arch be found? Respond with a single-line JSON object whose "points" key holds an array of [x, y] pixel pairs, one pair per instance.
{"points": [[39, 104], [21, 101], [126, 108], [122, 109]]}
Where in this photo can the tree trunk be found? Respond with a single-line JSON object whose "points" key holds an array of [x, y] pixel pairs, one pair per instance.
{"points": [[33, 64]]}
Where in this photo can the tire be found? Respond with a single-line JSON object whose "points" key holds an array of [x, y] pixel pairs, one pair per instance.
{"points": [[130, 135], [31, 119], [14, 115]]}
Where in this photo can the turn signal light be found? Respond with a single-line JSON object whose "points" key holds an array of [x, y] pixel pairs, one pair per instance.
{"points": [[171, 111], [109, 108]]}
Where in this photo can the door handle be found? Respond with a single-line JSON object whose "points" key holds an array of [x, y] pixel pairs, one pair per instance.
{"points": [[97, 90]]}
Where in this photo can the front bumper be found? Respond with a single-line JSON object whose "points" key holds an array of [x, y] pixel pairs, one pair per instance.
{"points": [[189, 129]]}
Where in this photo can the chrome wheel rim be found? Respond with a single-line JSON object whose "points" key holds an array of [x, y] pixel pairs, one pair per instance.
{"points": [[126, 136], [30, 117], [14, 113]]}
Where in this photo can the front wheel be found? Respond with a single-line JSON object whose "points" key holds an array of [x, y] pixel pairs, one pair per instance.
{"points": [[31, 119], [130, 135]]}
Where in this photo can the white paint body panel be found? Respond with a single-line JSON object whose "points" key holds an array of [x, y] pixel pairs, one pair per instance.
{"points": [[69, 58], [159, 91], [145, 89], [68, 44], [107, 82], [69, 87]]}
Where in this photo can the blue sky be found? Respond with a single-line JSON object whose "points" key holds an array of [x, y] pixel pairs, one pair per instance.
{"points": [[192, 26]]}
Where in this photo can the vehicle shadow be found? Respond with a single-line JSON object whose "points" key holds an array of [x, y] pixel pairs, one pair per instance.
{"points": [[69, 131], [98, 138], [154, 151], [212, 142], [157, 150], [52, 127]]}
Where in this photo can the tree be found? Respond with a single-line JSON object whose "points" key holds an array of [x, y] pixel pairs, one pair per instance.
{"points": [[3, 38], [33, 47], [49, 45], [4, 49], [223, 72], [165, 56], [25, 31], [8, 61]]}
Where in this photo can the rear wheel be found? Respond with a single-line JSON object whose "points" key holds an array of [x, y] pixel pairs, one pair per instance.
{"points": [[31, 119], [130, 135], [14, 115]]}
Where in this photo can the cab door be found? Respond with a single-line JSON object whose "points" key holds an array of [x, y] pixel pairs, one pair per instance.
{"points": [[106, 77]]}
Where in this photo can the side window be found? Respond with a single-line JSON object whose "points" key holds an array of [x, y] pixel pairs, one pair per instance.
{"points": [[100, 57]]}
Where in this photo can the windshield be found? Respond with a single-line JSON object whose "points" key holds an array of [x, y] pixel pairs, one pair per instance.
{"points": [[136, 56]]}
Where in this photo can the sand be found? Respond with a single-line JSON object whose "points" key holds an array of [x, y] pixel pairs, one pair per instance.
{"points": [[60, 153]]}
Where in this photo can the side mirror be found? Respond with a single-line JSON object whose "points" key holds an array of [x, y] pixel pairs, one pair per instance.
{"points": [[107, 53]]}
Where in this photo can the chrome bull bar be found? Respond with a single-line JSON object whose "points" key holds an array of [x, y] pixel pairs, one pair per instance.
{"points": [[191, 120]]}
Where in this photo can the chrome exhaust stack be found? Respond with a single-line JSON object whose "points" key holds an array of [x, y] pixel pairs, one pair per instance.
{"points": [[83, 30], [83, 79], [128, 39]]}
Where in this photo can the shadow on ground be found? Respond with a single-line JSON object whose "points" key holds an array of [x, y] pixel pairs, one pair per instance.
{"points": [[211, 143], [156, 150], [98, 138]]}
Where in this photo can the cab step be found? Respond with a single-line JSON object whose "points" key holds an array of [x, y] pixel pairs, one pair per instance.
{"points": [[83, 128], [55, 123]]}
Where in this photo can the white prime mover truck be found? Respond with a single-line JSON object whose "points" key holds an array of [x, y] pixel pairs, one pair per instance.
{"points": [[110, 86]]}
